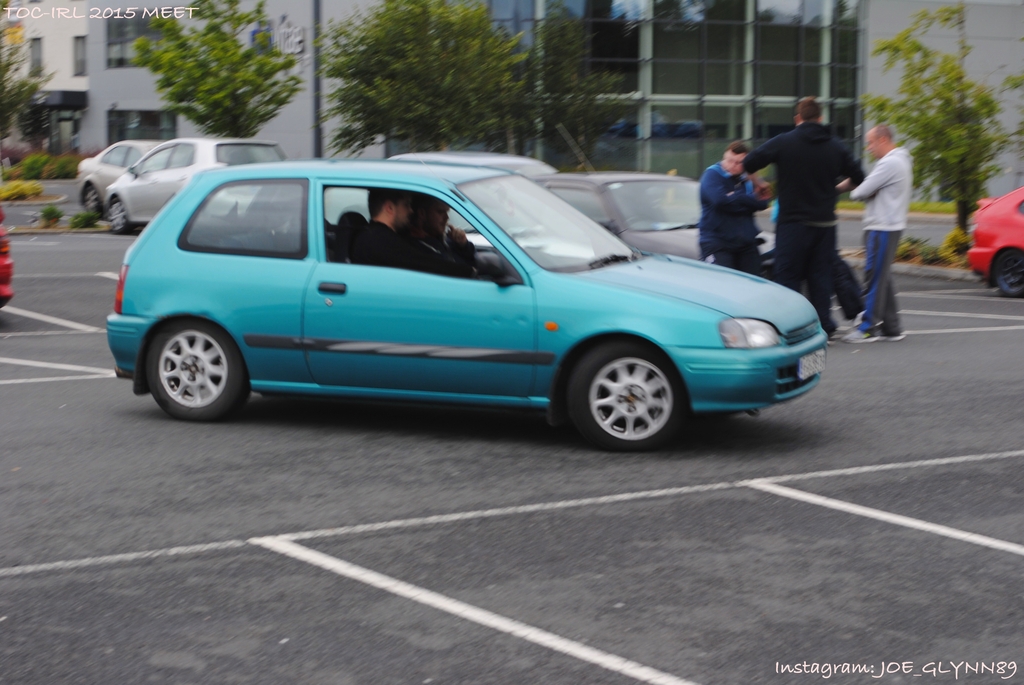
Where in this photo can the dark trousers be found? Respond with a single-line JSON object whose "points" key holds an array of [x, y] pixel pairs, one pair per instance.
{"points": [[805, 254], [745, 259], [848, 291]]}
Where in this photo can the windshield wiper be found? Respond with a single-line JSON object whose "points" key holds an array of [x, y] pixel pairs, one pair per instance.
{"points": [[611, 259]]}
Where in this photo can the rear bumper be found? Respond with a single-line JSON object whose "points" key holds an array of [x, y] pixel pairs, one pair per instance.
{"points": [[124, 336], [740, 380], [6, 275], [980, 259]]}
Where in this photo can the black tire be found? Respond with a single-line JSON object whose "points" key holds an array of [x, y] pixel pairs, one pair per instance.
{"points": [[91, 200], [646, 414], [207, 382], [1008, 273], [119, 223]]}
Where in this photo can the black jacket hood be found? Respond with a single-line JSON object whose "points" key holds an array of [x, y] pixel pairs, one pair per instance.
{"points": [[814, 132]]}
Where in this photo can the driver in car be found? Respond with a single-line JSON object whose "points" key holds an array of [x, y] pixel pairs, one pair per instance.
{"points": [[429, 231]]}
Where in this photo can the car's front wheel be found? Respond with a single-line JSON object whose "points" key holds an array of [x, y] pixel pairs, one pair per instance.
{"points": [[1008, 273], [196, 372], [119, 223], [91, 200], [625, 396]]}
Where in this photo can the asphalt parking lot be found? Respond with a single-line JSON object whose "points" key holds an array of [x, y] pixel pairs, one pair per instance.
{"points": [[872, 531]]}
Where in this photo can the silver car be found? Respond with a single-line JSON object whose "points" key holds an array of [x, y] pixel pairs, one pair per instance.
{"points": [[96, 173], [526, 166], [135, 198]]}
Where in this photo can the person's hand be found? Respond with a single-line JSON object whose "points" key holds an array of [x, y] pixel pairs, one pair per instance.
{"points": [[457, 235], [764, 192]]}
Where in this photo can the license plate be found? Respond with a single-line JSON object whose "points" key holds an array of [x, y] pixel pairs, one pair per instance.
{"points": [[810, 364]]}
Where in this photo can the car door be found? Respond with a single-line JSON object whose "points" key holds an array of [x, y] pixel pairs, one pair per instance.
{"points": [[142, 193], [110, 166], [162, 184], [406, 331]]}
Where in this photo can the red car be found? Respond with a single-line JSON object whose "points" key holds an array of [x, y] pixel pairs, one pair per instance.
{"points": [[998, 252], [6, 264]]}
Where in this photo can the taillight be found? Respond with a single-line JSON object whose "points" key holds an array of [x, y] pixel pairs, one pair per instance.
{"points": [[119, 295]]}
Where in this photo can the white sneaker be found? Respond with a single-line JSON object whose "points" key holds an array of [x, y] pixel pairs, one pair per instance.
{"points": [[892, 338]]}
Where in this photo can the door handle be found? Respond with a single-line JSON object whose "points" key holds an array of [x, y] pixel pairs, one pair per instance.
{"points": [[338, 288]]}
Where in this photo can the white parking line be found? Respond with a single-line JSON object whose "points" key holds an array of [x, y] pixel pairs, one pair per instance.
{"points": [[948, 291], [471, 613], [985, 296], [91, 274], [30, 334], [118, 558], [50, 319], [53, 365], [109, 274], [983, 329], [540, 507], [961, 315], [19, 381], [887, 517]]}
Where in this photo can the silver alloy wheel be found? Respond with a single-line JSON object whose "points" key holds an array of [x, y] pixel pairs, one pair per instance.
{"points": [[118, 217], [193, 369], [92, 201], [631, 399]]}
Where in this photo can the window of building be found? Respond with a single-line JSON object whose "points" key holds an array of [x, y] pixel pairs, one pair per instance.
{"points": [[121, 34], [36, 55], [257, 218], [79, 56], [136, 125]]}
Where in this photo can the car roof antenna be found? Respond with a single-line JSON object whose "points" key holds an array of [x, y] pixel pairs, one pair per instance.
{"points": [[584, 162]]}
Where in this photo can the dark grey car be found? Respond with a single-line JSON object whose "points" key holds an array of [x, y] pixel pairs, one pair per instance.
{"points": [[652, 212]]}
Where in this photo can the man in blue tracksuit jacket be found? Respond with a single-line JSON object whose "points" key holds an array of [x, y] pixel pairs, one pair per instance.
{"points": [[728, 234]]}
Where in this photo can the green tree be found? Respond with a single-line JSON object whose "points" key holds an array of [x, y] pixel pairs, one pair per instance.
{"points": [[952, 119], [558, 91], [428, 72], [34, 124], [17, 84], [208, 75]]}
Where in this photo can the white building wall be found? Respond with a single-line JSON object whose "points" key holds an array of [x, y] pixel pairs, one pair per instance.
{"points": [[56, 22]]}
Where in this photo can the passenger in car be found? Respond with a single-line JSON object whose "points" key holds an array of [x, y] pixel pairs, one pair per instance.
{"points": [[380, 245], [429, 231]]}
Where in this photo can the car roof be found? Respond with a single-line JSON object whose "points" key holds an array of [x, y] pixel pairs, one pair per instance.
{"points": [[219, 140], [495, 159], [606, 177], [376, 170]]}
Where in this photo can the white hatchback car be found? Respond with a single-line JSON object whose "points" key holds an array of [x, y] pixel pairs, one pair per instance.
{"points": [[135, 198], [96, 173]]}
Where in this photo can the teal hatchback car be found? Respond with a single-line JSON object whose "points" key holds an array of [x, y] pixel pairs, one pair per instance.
{"points": [[243, 283]]}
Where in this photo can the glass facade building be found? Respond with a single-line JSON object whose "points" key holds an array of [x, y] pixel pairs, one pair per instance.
{"points": [[705, 72]]}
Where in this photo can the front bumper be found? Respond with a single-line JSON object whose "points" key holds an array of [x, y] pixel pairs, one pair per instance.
{"points": [[730, 380], [6, 275]]}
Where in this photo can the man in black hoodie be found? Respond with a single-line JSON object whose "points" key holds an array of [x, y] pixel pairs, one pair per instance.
{"points": [[810, 161]]}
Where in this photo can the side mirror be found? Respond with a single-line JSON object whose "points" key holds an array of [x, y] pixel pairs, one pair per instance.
{"points": [[610, 225], [497, 268], [133, 170]]}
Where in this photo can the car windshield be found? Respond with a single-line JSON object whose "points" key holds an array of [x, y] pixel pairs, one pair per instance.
{"points": [[657, 205], [552, 232], [247, 153]]}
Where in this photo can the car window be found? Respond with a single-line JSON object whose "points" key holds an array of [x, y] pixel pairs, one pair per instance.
{"points": [[258, 218], [156, 162], [131, 156], [587, 201], [657, 205], [555, 234], [338, 201], [247, 153], [115, 157], [182, 156]]}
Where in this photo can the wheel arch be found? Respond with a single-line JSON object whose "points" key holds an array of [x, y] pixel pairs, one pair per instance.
{"points": [[140, 384], [558, 413], [995, 260]]}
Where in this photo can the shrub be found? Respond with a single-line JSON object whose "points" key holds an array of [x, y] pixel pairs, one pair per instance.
{"points": [[955, 246], [32, 166], [12, 174], [84, 220], [65, 166], [921, 251], [51, 214], [20, 190]]}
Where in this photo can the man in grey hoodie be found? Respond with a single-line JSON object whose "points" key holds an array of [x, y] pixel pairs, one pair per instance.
{"points": [[886, 195]]}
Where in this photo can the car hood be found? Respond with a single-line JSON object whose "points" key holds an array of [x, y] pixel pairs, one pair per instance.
{"points": [[682, 242], [730, 292]]}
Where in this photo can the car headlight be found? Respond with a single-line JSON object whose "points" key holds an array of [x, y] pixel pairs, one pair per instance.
{"points": [[747, 333]]}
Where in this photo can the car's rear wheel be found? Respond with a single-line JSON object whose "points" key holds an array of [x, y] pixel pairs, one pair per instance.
{"points": [[91, 200], [119, 223], [1008, 273], [626, 396], [196, 372]]}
